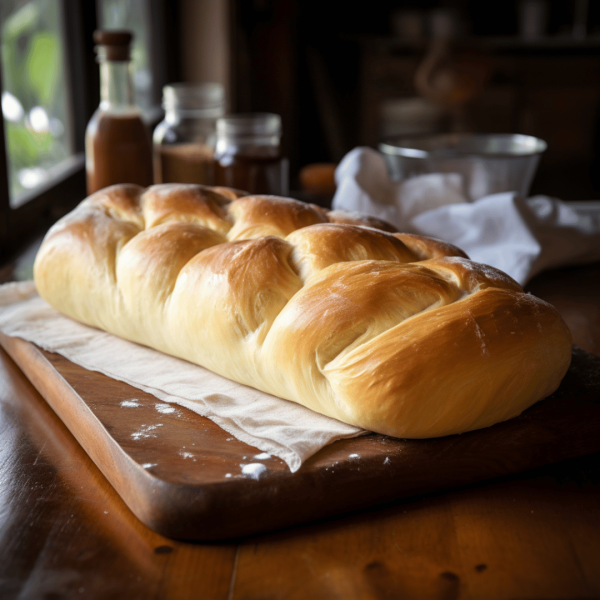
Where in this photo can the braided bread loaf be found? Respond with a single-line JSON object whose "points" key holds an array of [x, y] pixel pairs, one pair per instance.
{"points": [[391, 332]]}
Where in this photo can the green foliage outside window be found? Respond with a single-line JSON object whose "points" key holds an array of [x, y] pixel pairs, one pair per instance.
{"points": [[34, 99]]}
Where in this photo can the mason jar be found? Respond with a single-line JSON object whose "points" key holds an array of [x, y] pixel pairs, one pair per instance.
{"points": [[248, 154], [184, 141]]}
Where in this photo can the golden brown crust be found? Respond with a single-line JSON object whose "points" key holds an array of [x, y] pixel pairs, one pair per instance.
{"points": [[392, 332], [229, 193], [487, 355], [190, 203], [318, 246], [354, 218], [425, 248], [260, 216]]}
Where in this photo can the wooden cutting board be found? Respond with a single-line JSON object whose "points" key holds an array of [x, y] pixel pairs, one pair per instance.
{"points": [[182, 475]]}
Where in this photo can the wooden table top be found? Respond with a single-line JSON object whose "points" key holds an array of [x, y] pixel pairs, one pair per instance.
{"points": [[66, 533]]}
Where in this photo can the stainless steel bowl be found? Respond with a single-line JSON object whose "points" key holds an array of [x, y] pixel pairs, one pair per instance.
{"points": [[487, 163]]}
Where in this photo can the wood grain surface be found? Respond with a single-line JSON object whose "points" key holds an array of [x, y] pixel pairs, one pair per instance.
{"points": [[66, 534], [55, 500], [182, 476]]}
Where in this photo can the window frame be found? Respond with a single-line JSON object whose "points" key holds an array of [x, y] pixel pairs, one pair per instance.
{"points": [[48, 202]]}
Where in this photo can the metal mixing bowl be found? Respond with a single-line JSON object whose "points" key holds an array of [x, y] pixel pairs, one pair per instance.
{"points": [[487, 163]]}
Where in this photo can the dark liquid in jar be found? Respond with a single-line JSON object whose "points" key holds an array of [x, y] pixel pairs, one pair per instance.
{"points": [[118, 150], [255, 170], [184, 163]]}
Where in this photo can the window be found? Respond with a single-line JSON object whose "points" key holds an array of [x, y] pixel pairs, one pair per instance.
{"points": [[49, 88], [36, 124]]}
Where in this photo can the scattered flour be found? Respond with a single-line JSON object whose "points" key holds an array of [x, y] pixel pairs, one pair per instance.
{"points": [[262, 456], [165, 409], [254, 470], [145, 431], [133, 403]]}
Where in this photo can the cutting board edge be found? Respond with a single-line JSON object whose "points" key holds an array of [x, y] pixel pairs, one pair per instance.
{"points": [[27, 356], [196, 513]]}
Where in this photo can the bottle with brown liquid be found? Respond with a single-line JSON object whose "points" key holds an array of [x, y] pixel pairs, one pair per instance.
{"points": [[184, 141], [117, 143], [248, 154]]}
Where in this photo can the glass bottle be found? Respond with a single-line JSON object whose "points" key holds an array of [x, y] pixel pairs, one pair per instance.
{"points": [[184, 141], [248, 154], [117, 143]]}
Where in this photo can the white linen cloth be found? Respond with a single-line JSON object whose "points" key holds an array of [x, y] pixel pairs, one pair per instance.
{"points": [[284, 429], [519, 236]]}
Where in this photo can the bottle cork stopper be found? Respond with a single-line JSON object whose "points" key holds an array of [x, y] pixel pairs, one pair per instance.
{"points": [[117, 43]]}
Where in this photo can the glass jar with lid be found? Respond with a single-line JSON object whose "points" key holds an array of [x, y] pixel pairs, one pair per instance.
{"points": [[184, 141], [248, 154]]}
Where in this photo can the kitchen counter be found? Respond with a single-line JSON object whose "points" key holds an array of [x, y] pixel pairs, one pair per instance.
{"points": [[67, 534]]}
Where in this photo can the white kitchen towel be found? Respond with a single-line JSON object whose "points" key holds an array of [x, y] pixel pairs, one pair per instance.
{"points": [[284, 429], [519, 236]]}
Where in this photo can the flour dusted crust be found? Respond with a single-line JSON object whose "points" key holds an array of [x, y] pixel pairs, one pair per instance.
{"points": [[396, 333]]}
